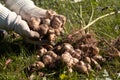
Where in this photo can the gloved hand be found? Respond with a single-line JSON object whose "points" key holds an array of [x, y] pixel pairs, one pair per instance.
{"points": [[28, 10], [11, 21]]}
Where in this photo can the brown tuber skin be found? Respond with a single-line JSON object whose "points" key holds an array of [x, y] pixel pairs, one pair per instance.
{"points": [[40, 65], [41, 51], [81, 62], [52, 37], [43, 29], [62, 19], [68, 60], [99, 58], [75, 54], [78, 51], [48, 47], [57, 32], [96, 64], [66, 57], [47, 59], [34, 23], [61, 30], [70, 69], [52, 54], [87, 60], [89, 67], [46, 21], [51, 31], [67, 47], [75, 61], [56, 23], [50, 14], [81, 68], [95, 50]]}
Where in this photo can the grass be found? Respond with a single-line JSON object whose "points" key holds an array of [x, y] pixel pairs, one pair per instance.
{"points": [[78, 15]]}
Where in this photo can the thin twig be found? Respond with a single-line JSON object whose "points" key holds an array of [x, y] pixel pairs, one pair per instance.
{"points": [[91, 23], [91, 16], [82, 20], [98, 19], [92, 13]]}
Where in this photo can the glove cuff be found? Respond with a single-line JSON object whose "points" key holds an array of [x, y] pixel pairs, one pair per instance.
{"points": [[17, 5], [4, 12]]}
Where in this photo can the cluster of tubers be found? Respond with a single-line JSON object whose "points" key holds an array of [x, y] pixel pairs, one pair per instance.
{"points": [[81, 54], [82, 57], [49, 27]]}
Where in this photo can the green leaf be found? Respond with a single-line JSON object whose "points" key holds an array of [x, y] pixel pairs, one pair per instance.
{"points": [[63, 77]]}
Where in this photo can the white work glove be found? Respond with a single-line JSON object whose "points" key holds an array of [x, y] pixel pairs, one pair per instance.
{"points": [[27, 9], [11, 21]]}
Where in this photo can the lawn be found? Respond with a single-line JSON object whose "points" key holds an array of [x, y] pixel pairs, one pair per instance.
{"points": [[78, 16]]}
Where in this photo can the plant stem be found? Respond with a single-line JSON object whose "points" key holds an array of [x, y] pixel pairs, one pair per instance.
{"points": [[92, 22], [92, 13], [98, 19]]}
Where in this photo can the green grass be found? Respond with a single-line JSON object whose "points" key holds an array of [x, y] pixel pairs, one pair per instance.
{"points": [[24, 54]]}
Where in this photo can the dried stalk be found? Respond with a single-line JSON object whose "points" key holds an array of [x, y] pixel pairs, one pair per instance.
{"points": [[98, 19], [92, 22]]}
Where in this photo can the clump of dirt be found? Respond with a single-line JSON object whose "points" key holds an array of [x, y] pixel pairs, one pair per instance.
{"points": [[113, 49], [116, 43]]}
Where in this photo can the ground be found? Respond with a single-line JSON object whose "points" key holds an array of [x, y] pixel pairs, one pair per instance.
{"points": [[21, 54]]}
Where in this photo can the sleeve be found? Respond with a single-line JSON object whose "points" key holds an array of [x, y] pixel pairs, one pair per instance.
{"points": [[3, 15], [11, 21]]}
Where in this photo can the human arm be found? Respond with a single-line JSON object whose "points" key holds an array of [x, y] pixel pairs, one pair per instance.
{"points": [[10, 21]]}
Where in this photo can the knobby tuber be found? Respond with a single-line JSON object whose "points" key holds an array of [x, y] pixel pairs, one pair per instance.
{"points": [[47, 59], [36, 66], [81, 68]]}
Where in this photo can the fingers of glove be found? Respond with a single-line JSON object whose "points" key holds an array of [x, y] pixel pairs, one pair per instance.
{"points": [[33, 34], [38, 12], [34, 12], [23, 29]]}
